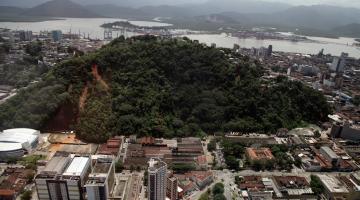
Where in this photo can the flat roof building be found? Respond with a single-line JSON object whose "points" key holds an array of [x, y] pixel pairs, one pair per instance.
{"points": [[330, 155], [334, 189], [63, 178], [101, 179], [77, 167], [294, 187], [112, 147]]}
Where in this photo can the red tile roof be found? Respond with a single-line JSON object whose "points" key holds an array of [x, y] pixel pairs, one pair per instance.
{"points": [[7, 192]]}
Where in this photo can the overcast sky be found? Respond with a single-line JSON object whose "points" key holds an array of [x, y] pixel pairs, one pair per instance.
{"points": [[344, 3]]}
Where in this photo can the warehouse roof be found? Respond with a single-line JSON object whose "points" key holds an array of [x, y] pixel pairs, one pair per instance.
{"points": [[77, 166], [330, 152], [56, 164]]}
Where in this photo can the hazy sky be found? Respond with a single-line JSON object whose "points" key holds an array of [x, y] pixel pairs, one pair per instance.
{"points": [[344, 3]]}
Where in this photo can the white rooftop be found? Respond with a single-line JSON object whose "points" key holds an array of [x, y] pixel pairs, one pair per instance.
{"points": [[77, 166], [179, 189], [5, 146], [19, 135], [332, 184]]}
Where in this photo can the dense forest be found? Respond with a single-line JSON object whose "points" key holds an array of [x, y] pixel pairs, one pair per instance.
{"points": [[164, 88], [23, 71]]}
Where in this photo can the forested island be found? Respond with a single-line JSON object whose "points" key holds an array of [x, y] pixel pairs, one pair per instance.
{"points": [[126, 24], [165, 88]]}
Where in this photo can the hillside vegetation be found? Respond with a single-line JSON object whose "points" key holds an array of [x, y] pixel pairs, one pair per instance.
{"points": [[164, 88]]}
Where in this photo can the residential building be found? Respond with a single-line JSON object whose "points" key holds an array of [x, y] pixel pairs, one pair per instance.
{"points": [[56, 35], [345, 132], [201, 178], [13, 180], [171, 188], [269, 51], [339, 63], [157, 179], [25, 35]]}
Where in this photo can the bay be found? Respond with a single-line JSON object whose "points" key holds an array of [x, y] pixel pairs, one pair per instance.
{"points": [[331, 46], [91, 27]]}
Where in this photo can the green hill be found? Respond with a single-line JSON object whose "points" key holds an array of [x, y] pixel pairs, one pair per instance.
{"points": [[164, 88]]}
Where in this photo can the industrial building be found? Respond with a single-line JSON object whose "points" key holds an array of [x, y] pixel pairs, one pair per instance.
{"points": [[101, 179], [157, 179], [63, 178], [15, 143]]}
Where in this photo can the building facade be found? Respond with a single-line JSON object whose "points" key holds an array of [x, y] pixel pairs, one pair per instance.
{"points": [[171, 189], [63, 178], [157, 179], [102, 179]]}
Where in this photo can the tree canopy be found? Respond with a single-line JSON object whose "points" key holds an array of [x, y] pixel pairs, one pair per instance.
{"points": [[166, 88]]}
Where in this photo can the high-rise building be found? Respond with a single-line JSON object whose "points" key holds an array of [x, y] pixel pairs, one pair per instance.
{"points": [[171, 189], [102, 178], [56, 35], [25, 35], [157, 179], [339, 63], [269, 51], [63, 178]]}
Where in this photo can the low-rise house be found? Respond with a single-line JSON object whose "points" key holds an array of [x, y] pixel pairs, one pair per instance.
{"points": [[259, 154], [201, 178], [294, 187]]}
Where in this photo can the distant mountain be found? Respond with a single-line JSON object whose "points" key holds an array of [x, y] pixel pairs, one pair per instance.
{"points": [[320, 17], [10, 10], [187, 10], [108, 10], [22, 3], [243, 6], [60, 8], [138, 3], [350, 30]]}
